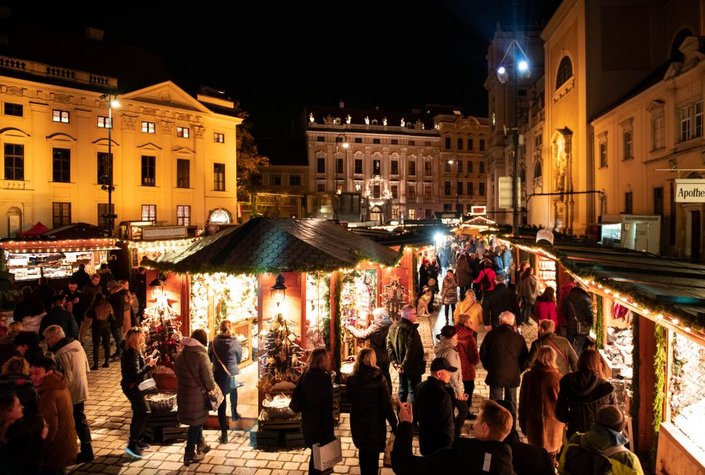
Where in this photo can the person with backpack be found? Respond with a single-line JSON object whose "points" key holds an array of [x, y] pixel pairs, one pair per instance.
{"points": [[486, 278], [601, 449], [579, 316]]}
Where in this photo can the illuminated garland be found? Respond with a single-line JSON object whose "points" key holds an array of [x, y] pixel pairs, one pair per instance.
{"points": [[636, 363], [599, 323], [659, 387], [338, 329]]}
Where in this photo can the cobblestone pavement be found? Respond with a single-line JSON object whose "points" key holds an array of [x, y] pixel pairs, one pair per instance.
{"points": [[108, 413]]}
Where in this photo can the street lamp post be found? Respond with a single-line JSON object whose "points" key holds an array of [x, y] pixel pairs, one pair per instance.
{"points": [[457, 196], [110, 216], [518, 64], [339, 190]]}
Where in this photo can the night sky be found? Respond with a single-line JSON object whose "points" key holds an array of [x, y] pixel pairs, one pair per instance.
{"points": [[276, 57]]}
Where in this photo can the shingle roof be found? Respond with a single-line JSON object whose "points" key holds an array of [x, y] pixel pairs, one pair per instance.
{"points": [[277, 245]]}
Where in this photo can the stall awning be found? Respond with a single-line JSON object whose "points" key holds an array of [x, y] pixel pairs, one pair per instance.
{"points": [[277, 245], [655, 286]]}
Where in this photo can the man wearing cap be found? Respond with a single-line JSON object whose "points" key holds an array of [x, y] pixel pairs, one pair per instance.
{"points": [[586, 452], [406, 353], [434, 409]]}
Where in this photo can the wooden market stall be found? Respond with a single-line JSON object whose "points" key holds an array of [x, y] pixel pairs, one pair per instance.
{"points": [[289, 286], [650, 330], [56, 253]]}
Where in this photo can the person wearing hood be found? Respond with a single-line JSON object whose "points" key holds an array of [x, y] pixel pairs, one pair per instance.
{"points": [[447, 348], [15, 379], [604, 439], [60, 447], [135, 368], [371, 406], [582, 393], [376, 334], [72, 361], [194, 378], [225, 352]]}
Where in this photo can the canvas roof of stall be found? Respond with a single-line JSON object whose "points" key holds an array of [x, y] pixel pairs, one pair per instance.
{"points": [[277, 245], [658, 283], [417, 236], [75, 237]]}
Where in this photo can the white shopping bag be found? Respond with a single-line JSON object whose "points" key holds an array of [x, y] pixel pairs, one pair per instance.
{"points": [[326, 456]]}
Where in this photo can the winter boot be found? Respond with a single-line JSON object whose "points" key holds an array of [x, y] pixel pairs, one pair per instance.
{"points": [[192, 457], [223, 439], [202, 447]]}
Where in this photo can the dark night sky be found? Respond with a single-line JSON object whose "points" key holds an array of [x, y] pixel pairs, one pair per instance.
{"points": [[276, 57]]}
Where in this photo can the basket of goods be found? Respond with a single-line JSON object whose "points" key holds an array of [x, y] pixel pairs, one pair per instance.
{"points": [[277, 407], [161, 403], [164, 377]]}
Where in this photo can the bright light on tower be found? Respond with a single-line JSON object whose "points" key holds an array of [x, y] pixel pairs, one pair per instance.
{"points": [[501, 70], [523, 65]]}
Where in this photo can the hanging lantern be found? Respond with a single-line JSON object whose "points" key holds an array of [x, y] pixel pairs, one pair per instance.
{"points": [[279, 290]]}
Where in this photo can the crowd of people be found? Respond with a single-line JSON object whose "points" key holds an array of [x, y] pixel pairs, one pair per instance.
{"points": [[554, 391]]}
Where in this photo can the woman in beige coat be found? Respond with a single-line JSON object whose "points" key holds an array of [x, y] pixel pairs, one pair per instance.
{"points": [[537, 403], [470, 307]]}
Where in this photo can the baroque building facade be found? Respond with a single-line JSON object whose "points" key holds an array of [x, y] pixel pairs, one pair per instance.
{"points": [[377, 166], [169, 157]]}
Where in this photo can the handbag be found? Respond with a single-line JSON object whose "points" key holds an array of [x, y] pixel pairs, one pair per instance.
{"points": [[327, 456], [232, 381], [214, 397]]}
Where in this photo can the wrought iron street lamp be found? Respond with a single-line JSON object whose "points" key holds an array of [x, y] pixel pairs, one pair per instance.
{"points": [[515, 62], [340, 140], [108, 185]]}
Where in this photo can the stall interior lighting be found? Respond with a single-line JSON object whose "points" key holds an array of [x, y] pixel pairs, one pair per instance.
{"points": [[66, 245], [154, 246]]}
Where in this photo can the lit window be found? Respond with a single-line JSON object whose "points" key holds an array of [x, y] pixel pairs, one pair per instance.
{"points": [[149, 212], [149, 127], [183, 215], [218, 137], [218, 177], [182, 132], [60, 116], [104, 122]]}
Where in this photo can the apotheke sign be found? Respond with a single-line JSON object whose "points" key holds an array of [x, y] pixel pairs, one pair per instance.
{"points": [[690, 190]]}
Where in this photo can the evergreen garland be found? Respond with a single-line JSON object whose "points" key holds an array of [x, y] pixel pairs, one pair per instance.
{"points": [[659, 386], [599, 322]]}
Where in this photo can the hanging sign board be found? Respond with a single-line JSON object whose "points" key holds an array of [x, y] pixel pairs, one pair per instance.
{"points": [[689, 190]]}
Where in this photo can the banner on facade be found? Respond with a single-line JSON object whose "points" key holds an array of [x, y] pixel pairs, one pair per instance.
{"points": [[690, 190], [504, 195]]}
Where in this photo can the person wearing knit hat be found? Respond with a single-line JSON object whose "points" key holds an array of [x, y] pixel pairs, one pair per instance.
{"points": [[601, 448], [611, 417]]}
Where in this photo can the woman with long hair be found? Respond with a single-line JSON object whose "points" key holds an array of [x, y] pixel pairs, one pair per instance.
{"points": [[449, 294], [10, 411], [470, 307], [583, 392], [468, 353], [528, 291], [226, 353], [21, 438], [537, 403], [371, 407], [135, 368], [545, 306], [194, 378], [313, 398]]}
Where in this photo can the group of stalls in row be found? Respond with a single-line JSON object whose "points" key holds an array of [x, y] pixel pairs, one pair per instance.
{"points": [[649, 330], [287, 286]]}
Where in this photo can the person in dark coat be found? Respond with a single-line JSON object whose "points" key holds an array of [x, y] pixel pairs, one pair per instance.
{"points": [[100, 312], [582, 393], [58, 316], [138, 286], [22, 445], [566, 359], [135, 368], [486, 453], [194, 378], [376, 334], [504, 355], [225, 352], [434, 409], [81, 277], [43, 292], [7, 342], [27, 346], [500, 299], [526, 459], [313, 398], [406, 353], [463, 273], [579, 317], [27, 306], [117, 300], [371, 406]]}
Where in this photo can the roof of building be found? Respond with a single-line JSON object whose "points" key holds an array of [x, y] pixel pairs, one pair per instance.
{"points": [[277, 245]]}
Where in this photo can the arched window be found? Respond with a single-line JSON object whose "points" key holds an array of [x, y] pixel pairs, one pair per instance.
{"points": [[565, 71]]}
